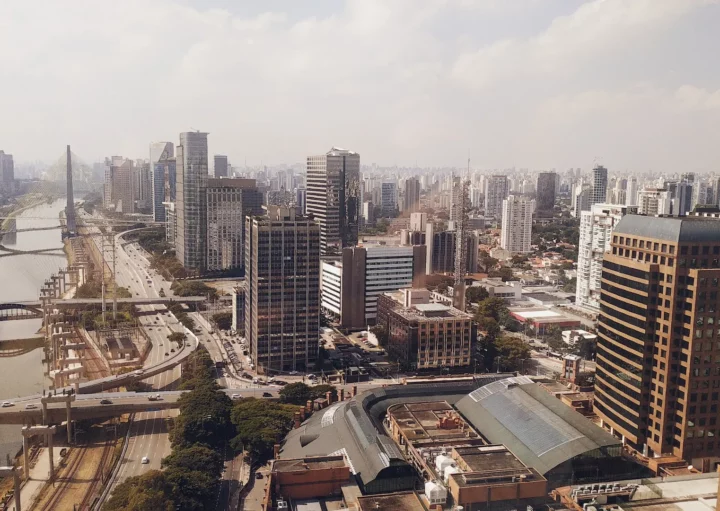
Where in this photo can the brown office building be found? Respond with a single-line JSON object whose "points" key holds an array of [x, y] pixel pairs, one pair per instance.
{"points": [[658, 353], [282, 290], [424, 335]]}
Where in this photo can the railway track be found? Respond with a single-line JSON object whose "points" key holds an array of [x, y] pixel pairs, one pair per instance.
{"points": [[57, 493], [97, 481]]}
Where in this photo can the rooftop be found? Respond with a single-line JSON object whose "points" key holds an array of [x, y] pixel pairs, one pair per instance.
{"points": [[539, 429], [430, 421], [403, 501], [308, 463], [684, 229]]}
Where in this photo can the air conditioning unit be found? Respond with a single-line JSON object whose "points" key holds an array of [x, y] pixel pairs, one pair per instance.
{"points": [[281, 504]]}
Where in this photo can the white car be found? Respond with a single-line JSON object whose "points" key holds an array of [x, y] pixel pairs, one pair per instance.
{"points": [[145, 460], [30, 406], [7, 404], [236, 396]]}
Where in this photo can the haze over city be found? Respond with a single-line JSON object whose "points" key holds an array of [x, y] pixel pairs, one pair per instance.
{"points": [[521, 83]]}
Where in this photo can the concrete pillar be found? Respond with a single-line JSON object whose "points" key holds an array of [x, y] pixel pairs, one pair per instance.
{"points": [[69, 421], [354, 390], [44, 411], [26, 458], [342, 394], [329, 396], [309, 407], [52, 459], [297, 420], [16, 485]]}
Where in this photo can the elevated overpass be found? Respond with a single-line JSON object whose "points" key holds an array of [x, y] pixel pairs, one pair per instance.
{"points": [[74, 303], [89, 406]]}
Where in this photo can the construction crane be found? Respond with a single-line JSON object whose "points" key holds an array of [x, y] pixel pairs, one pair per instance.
{"points": [[461, 191]]}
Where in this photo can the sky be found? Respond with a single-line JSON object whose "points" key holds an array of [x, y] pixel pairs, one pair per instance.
{"points": [[542, 84]]}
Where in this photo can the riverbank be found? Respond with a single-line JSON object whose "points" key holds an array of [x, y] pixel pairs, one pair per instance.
{"points": [[36, 199]]}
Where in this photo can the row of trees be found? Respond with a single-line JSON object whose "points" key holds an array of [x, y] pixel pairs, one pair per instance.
{"points": [[496, 349], [179, 312], [209, 427]]}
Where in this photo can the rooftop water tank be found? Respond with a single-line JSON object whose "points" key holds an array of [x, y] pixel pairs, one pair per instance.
{"points": [[435, 492], [441, 462], [449, 470]]}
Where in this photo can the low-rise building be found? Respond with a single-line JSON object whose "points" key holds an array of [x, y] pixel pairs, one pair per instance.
{"points": [[571, 337], [496, 288], [542, 320], [424, 335], [309, 477]]}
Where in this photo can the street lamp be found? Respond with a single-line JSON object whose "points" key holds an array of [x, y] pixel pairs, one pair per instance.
{"points": [[498, 363]]}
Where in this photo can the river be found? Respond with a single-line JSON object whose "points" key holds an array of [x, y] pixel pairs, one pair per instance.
{"points": [[21, 277]]}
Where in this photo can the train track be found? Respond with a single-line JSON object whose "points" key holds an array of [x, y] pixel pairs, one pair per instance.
{"points": [[59, 490], [97, 481]]}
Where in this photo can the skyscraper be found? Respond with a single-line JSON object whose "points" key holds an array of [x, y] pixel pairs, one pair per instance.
{"points": [[7, 172], [598, 195], [682, 204], [631, 196], [119, 193], [191, 209], [412, 194], [333, 197], [229, 201], [388, 198], [658, 376], [282, 300], [580, 200], [496, 191], [221, 165], [546, 192], [596, 227], [517, 215], [162, 165]]}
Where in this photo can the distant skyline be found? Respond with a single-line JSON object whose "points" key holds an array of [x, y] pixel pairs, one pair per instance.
{"points": [[526, 83]]}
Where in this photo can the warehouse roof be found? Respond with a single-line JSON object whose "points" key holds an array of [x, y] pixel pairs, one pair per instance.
{"points": [[539, 429]]}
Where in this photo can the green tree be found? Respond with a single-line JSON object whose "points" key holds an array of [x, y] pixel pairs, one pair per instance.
{"points": [[260, 425], [380, 331], [223, 320], [474, 294], [148, 492], [504, 273], [295, 393], [204, 418], [177, 337], [319, 391], [494, 308], [570, 286], [195, 457], [512, 351]]}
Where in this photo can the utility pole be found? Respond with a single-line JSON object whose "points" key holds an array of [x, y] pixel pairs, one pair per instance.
{"points": [[114, 282]]}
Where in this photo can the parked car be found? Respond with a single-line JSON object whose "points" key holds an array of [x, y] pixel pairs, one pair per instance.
{"points": [[267, 394], [105, 402], [30, 406]]}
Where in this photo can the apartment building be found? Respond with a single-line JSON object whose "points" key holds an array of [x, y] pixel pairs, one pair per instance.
{"points": [[517, 218]]}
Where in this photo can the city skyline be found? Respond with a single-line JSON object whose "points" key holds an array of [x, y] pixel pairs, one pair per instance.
{"points": [[419, 68]]}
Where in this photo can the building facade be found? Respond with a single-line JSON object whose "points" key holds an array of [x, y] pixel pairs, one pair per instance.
{"points": [[229, 201], [546, 192], [191, 208], [220, 164], [598, 195], [282, 301], [333, 197], [517, 219], [440, 248], [596, 228], [350, 286], [119, 193], [7, 173], [580, 200], [654, 201], [424, 335], [658, 376], [412, 194], [388, 198], [496, 191], [162, 165]]}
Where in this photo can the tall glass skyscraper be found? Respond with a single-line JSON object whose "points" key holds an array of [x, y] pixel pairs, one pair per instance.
{"points": [[162, 165], [192, 176]]}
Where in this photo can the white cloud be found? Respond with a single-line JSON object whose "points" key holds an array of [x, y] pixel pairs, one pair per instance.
{"points": [[400, 81]]}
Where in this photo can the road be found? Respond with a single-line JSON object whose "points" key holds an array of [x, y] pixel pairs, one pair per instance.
{"points": [[148, 431]]}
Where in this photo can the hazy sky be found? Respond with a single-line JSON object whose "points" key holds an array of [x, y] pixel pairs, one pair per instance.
{"points": [[526, 83]]}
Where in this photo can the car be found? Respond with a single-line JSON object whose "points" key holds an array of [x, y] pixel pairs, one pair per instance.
{"points": [[30, 406], [267, 394], [167, 354], [236, 396], [105, 402], [7, 404], [145, 460], [255, 380], [172, 350], [280, 382], [258, 475]]}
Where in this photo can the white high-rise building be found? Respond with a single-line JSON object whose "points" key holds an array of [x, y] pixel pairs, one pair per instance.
{"points": [[599, 187], [654, 201], [418, 221], [580, 200], [517, 215], [596, 227], [496, 191]]}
